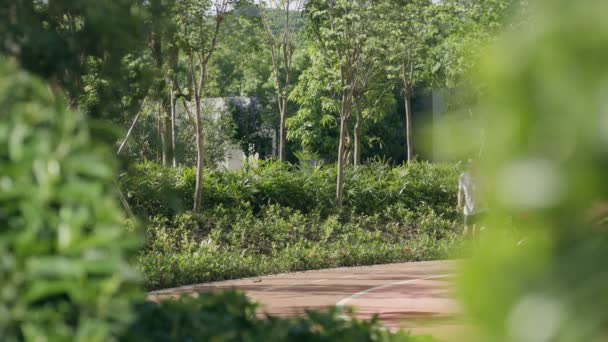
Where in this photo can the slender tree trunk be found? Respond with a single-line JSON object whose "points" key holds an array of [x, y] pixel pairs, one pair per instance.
{"points": [[198, 199], [124, 142], [408, 125], [159, 135], [200, 149], [282, 129], [342, 149], [168, 150], [164, 129], [357, 141], [198, 122], [172, 103]]}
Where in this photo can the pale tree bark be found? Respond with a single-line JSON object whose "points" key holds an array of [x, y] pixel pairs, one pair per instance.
{"points": [[344, 116], [406, 78], [124, 142], [408, 126], [164, 129], [159, 134], [357, 140], [200, 148], [173, 114]]}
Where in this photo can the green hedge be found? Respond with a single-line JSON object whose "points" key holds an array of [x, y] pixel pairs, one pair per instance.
{"points": [[154, 190]]}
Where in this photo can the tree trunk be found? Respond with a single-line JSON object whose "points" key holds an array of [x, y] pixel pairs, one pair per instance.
{"points": [[282, 130], [342, 150], [357, 142], [164, 129], [160, 136], [198, 190], [124, 142], [408, 123], [172, 100]]}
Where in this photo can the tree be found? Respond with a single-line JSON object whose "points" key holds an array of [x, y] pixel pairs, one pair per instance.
{"points": [[282, 45], [410, 33], [318, 95], [340, 29], [160, 44], [199, 24]]}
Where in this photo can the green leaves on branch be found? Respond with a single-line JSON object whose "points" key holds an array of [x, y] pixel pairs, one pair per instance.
{"points": [[64, 274]]}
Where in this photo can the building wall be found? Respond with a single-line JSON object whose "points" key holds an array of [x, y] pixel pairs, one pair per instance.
{"points": [[219, 107]]}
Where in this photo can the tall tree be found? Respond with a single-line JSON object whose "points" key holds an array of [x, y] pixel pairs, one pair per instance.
{"points": [[318, 94], [199, 23], [282, 44], [341, 31], [410, 33]]}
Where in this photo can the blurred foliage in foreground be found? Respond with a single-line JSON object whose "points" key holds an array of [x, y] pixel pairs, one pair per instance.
{"points": [[545, 162], [63, 246], [231, 317]]}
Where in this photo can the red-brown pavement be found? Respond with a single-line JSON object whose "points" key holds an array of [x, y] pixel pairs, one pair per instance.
{"points": [[415, 296]]}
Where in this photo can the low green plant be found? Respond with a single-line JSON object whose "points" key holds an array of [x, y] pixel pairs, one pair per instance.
{"points": [[231, 243], [230, 316]]}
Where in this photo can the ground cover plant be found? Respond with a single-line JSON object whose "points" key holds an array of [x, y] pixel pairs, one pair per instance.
{"points": [[280, 218]]}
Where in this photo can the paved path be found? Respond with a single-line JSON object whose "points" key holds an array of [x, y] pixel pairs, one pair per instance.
{"points": [[414, 296]]}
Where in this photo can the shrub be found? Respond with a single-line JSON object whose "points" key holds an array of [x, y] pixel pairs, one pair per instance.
{"points": [[229, 316], [370, 189], [63, 247], [230, 244]]}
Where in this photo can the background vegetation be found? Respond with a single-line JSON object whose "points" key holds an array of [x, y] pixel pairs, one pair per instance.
{"points": [[278, 218], [75, 75]]}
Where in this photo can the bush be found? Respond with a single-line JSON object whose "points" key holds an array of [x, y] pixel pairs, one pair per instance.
{"points": [[233, 243], [63, 247], [229, 316], [370, 189]]}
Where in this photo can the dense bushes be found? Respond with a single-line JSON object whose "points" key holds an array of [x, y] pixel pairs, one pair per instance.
{"points": [[370, 189], [63, 244], [230, 316], [280, 218]]}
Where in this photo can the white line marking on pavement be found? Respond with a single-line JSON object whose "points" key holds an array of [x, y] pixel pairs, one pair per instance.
{"points": [[344, 301]]}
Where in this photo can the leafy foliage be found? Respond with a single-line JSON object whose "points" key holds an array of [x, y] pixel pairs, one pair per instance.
{"points": [[229, 316], [372, 188], [549, 84], [276, 218], [192, 249], [63, 246]]}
